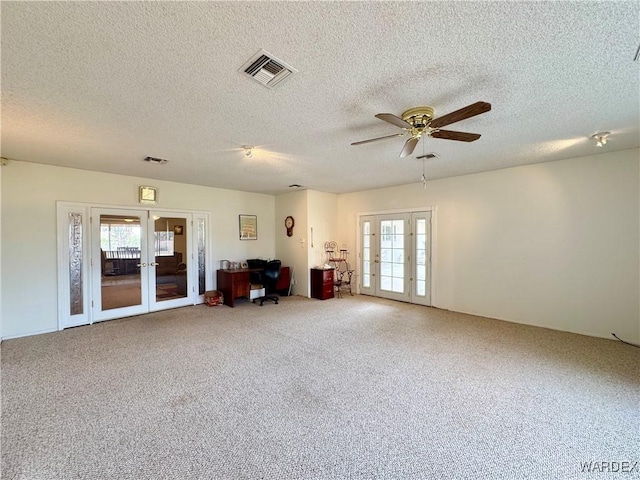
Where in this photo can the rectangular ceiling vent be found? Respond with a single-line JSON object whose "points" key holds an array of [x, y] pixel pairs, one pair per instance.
{"points": [[267, 70], [157, 161], [428, 155]]}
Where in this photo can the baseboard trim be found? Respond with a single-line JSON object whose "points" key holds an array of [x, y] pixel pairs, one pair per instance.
{"points": [[28, 334]]}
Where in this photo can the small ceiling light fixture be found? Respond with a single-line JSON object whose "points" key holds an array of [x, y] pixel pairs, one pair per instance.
{"points": [[248, 150], [601, 138], [295, 185]]}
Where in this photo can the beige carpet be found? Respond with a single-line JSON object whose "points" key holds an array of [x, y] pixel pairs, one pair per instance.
{"points": [[351, 388]]}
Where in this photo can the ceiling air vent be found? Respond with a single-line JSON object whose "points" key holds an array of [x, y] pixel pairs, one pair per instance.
{"points": [[267, 70], [428, 155], [157, 161]]}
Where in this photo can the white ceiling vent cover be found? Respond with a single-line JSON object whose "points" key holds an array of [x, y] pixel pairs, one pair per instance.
{"points": [[267, 69]]}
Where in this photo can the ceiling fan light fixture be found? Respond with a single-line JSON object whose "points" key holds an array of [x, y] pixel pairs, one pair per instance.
{"points": [[419, 122], [601, 138]]}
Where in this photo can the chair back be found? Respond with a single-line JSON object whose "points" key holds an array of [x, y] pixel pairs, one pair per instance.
{"points": [[256, 263], [272, 271]]}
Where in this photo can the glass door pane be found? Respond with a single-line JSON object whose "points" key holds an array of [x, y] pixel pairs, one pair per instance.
{"points": [[121, 250], [120, 245], [74, 260], [422, 257], [169, 259], [201, 247], [170, 252], [368, 256], [392, 253], [392, 256]]}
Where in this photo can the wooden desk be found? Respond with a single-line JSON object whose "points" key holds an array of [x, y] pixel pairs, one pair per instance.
{"points": [[236, 283]]}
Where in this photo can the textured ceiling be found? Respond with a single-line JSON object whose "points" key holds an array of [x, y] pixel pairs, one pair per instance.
{"points": [[101, 85]]}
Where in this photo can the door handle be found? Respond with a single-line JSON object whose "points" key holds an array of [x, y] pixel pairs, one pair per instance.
{"points": [[154, 264], [141, 265]]}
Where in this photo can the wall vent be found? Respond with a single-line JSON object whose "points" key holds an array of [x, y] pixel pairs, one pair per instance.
{"points": [[266, 69], [157, 161], [428, 155]]}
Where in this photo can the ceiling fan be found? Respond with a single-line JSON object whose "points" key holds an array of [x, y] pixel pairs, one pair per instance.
{"points": [[419, 121]]}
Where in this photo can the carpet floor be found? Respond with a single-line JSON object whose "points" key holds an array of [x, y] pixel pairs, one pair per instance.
{"points": [[349, 388]]}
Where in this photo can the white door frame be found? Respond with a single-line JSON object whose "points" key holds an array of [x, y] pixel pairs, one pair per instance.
{"points": [[433, 243], [154, 304], [66, 315], [82, 211], [97, 313]]}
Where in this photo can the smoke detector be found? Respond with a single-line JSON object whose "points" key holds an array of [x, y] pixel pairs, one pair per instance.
{"points": [[267, 70]]}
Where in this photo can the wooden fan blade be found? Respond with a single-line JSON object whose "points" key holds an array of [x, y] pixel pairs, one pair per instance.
{"points": [[379, 138], [460, 136], [409, 146], [466, 112], [397, 121]]}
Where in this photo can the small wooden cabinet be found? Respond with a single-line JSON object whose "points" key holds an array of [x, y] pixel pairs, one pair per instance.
{"points": [[234, 284], [321, 283]]}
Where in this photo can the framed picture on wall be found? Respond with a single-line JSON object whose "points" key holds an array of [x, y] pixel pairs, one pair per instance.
{"points": [[178, 230], [248, 227]]}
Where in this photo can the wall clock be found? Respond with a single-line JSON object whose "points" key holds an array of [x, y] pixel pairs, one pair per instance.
{"points": [[148, 195], [289, 223]]}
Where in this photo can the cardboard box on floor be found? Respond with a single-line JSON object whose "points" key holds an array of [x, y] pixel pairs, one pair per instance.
{"points": [[213, 298]]}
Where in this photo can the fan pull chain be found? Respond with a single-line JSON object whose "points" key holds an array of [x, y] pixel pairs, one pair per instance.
{"points": [[424, 177]]}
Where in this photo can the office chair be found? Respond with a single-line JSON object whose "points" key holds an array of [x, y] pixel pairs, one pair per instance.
{"points": [[269, 279]]}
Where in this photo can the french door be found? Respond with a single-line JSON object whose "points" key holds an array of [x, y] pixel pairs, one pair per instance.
{"points": [[115, 263], [395, 256], [120, 278], [143, 263]]}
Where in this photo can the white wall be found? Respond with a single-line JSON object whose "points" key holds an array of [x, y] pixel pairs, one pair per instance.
{"points": [[29, 195], [310, 209], [1, 330], [553, 244], [292, 251], [322, 208]]}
